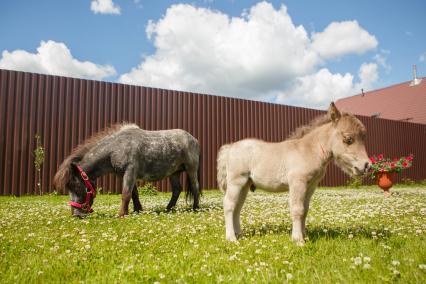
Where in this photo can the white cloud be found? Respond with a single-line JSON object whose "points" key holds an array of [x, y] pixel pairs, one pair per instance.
{"points": [[341, 38], [206, 51], [104, 7], [54, 58], [368, 74], [259, 55], [319, 89], [381, 59]]}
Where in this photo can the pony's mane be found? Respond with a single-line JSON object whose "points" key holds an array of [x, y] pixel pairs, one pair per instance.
{"points": [[316, 122], [87, 144], [63, 174]]}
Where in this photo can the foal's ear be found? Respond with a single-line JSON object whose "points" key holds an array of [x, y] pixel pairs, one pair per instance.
{"points": [[333, 113]]}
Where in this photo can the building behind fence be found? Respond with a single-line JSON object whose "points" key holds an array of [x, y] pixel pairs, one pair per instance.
{"points": [[65, 111]]}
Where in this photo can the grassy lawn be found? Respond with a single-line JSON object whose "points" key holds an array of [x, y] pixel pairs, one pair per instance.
{"points": [[355, 236]]}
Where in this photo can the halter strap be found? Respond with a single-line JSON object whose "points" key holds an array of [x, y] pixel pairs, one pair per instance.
{"points": [[90, 191], [324, 154]]}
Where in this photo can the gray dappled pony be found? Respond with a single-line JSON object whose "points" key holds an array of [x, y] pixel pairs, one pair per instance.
{"points": [[132, 153]]}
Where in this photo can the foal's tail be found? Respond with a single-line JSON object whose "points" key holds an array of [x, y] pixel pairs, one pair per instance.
{"points": [[222, 164]]}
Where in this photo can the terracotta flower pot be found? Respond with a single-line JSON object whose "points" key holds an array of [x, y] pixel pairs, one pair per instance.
{"points": [[385, 181]]}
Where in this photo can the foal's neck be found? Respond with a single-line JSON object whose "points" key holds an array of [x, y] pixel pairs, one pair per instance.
{"points": [[319, 142]]}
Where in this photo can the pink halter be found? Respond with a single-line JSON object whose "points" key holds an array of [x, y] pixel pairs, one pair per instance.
{"points": [[90, 191]]}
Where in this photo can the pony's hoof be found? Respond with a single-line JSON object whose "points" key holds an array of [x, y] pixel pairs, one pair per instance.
{"points": [[300, 243], [79, 216]]}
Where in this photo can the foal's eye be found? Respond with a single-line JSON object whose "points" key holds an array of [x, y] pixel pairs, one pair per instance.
{"points": [[348, 140]]}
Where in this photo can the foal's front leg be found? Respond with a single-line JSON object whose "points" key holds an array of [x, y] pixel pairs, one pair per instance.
{"points": [[129, 180], [299, 206]]}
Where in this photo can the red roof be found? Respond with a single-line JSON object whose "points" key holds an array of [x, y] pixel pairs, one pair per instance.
{"points": [[397, 102]]}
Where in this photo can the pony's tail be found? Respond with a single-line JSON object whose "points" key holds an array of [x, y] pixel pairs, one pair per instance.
{"points": [[222, 165], [192, 193], [65, 172]]}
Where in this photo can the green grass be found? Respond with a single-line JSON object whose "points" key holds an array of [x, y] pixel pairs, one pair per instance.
{"points": [[355, 236]]}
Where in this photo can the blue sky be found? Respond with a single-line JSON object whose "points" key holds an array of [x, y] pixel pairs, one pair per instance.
{"points": [[250, 49]]}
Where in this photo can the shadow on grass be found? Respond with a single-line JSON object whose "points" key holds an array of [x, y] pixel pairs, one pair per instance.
{"points": [[316, 233]]}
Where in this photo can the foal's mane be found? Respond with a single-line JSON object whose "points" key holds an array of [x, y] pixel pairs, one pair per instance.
{"points": [[316, 122]]}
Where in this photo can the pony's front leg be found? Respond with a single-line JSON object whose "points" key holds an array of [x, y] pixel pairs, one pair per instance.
{"points": [[137, 206], [129, 180], [298, 210]]}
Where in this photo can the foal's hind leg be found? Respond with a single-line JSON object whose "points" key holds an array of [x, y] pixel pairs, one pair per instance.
{"points": [[137, 206], [176, 189], [237, 212], [129, 180], [232, 204]]}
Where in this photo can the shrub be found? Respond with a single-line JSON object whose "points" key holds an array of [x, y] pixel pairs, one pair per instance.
{"points": [[147, 189]]}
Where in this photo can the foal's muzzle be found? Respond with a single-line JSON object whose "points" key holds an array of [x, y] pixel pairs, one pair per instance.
{"points": [[363, 170]]}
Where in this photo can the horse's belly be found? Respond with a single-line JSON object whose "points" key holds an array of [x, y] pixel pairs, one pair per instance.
{"points": [[159, 170], [279, 187], [271, 185]]}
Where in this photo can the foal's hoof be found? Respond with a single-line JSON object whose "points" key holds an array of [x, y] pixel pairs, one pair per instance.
{"points": [[300, 242], [232, 239]]}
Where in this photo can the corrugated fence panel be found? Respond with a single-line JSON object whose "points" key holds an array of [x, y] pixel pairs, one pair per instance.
{"points": [[65, 111]]}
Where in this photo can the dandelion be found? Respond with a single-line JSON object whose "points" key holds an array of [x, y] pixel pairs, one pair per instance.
{"points": [[87, 247], [289, 276], [161, 275], [366, 266], [357, 260], [350, 236], [367, 259], [396, 272], [422, 266], [395, 262]]}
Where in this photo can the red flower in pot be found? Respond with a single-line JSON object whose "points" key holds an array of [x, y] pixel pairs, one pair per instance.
{"points": [[384, 169]]}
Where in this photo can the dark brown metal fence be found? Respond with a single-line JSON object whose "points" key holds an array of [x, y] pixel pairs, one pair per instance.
{"points": [[65, 111]]}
